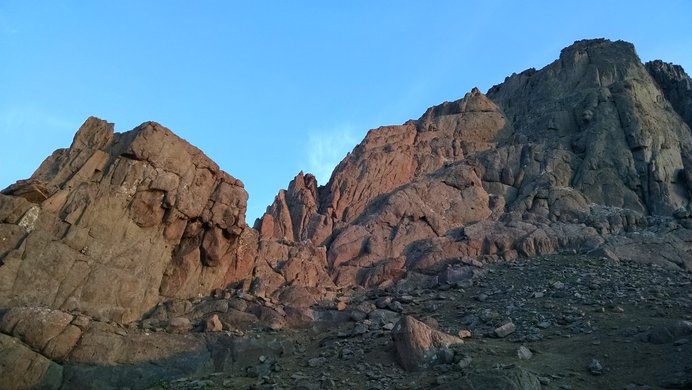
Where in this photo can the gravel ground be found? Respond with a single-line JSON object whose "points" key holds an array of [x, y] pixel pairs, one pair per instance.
{"points": [[554, 322]]}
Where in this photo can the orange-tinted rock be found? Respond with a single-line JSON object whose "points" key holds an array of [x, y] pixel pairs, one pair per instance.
{"points": [[213, 324], [550, 160], [418, 345]]}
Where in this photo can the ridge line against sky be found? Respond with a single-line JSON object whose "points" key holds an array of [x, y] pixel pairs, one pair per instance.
{"points": [[268, 89]]}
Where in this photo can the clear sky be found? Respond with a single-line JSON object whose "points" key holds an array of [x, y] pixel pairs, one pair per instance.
{"points": [[268, 89]]}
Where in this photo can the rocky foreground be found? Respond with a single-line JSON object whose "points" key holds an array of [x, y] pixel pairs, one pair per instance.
{"points": [[557, 322], [125, 260]]}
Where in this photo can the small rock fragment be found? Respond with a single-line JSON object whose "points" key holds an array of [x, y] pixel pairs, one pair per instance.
{"points": [[505, 330], [396, 306], [523, 353], [445, 356], [359, 329], [383, 302], [346, 353], [213, 324], [595, 367], [81, 321], [680, 342], [179, 325], [543, 325], [317, 362], [465, 361], [464, 333]]}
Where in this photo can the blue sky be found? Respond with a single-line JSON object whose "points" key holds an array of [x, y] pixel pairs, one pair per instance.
{"points": [[268, 89]]}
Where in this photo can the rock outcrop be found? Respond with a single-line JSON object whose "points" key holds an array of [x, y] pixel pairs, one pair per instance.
{"points": [[117, 222], [616, 129], [565, 158], [388, 158]]}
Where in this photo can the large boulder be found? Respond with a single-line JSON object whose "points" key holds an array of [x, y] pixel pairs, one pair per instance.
{"points": [[51, 332], [418, 346]]}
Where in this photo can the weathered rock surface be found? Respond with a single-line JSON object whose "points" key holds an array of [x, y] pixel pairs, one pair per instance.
{"points": [[669, 333], [22, 368], [46, 348], [676, 86], [581, 155], [52, 332], [418, 346], [117, 221], [386, 159], [599, 108], [513, 379]]}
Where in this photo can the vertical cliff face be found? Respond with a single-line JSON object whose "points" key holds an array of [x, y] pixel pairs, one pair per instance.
{"points": [[117, 221], [395, 155], [599, 103]]}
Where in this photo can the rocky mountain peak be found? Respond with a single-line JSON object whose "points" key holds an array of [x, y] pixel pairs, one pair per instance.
{"points": [[600, 103], [474, 101], [588, 138], [600, 49], [95, 133]]}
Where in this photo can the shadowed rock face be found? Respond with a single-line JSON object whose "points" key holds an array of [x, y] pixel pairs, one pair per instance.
{"points": [[676, 86], [599, 104], [117, 221]]}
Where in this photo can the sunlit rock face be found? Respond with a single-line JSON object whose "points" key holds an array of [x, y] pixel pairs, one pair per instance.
{"points": [[593, 145], [117, 221]]}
